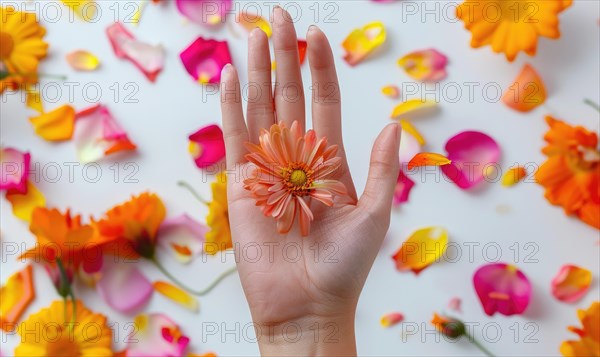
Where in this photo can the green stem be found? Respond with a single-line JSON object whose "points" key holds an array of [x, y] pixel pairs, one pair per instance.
{"points": [[194, 193], [65, 290], [592, 104], [479, 345], [5, 74], [185, 287]]}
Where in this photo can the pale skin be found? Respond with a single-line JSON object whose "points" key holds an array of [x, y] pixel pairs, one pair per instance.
{"points": [[303, 305]]}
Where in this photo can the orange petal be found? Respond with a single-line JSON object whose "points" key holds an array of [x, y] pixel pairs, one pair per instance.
{"points": [[513, 176], [527, 92], [177, 295], [391, 319], [428, 159], [15, 296], [413, 107], [83, 60], [424, 247], [363, 41], [23, 204], [252, 21], [571, 283], [56, 125]]}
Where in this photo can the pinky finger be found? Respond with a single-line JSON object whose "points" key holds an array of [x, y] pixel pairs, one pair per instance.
{"points": [[235, 132]]}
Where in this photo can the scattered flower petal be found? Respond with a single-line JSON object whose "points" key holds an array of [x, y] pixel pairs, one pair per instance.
{"points": [[15, 166], [361, 42], [252, 21], [409, 146], [408, 127], [589, 336], [413, 107], [571, 283], [391, 319], [177, 295], [84, 9], [147, 58], [403, 187], [391, 91], [428, 159], [454, 304], [23, 204], [33, 98], [302, 46], [15, 297], [502, 288], [183, 236], [57, 125], [426, 65], [204, 60], [424, 247], [156, 336], [471, 153], [98, 134], [123, 286], [205, 12], [513, 176], [218, 238], [527, 92], [207, 146], [83, 60]]}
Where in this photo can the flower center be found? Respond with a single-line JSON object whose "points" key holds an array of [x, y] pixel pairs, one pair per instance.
{"points": [[298, 177], [6, 45], [64, 346]]}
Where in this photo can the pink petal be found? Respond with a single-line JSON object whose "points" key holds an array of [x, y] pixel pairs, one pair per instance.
{"points": [[502, 288], [156, 335], [183, 236], [123, 286], [403, 188], [205, 12], [571, 283], [14, 170], [207, 146], [147, 58], [98, 134], [204, 60], [471, 153], [454, 304]]}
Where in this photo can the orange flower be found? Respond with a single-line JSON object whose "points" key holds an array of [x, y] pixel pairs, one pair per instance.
{"points": [[291, 167], [589, 344], [571, 175], [450, 327], [130, 229], [510, 26]]}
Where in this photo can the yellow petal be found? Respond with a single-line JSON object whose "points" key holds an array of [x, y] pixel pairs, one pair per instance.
{"points": [[424, 247], [391, 319], [23, 204], [411, 107], [428, 159], [252, 21], [363, 41], [409, 128], [391, 91], [83, 60], [33, 99], [177, 295], [15, 296], [513, 175], [84, 9], [56, 125]]}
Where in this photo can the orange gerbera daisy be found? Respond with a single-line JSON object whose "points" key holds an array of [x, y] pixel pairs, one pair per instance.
{"points": [[571, 175], [292, 168], [130, 229], [589, 344], [511, 26]]}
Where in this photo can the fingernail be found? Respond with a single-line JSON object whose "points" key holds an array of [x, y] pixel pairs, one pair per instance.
{"points": [[226, 69], [312, 28]]}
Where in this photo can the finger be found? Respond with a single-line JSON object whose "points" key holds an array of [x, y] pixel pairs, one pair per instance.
{"points": [[260, 99], [383, 173], [326, 99], [289, 93], [235, 133]]}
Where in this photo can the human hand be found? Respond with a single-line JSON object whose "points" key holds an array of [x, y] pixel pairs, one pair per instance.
{"points": [[302, 291]]}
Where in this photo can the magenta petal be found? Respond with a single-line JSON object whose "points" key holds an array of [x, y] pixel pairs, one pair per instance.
{"points": [[403, 188], [207, 146], [147, 58], [123, 286], [183, 236], [205, 12], [502, 288], [471, 152], [204, 60], [14, 170]]}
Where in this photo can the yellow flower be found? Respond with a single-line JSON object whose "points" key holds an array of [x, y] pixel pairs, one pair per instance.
{"points": [[21, 48], [46, 333], [510, 26], [219, 236], [589, 344]]}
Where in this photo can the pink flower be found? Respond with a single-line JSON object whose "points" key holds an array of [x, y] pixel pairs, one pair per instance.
{"points": [[291, 168], [207, 146], [204, 60], [502, 288]]}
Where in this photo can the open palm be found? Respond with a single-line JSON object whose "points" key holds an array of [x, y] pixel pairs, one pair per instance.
{"points": [[288, 277]]}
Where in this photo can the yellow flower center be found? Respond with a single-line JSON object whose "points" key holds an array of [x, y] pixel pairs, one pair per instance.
{"points": [[298, 178], [65, 346], [6, 45]]}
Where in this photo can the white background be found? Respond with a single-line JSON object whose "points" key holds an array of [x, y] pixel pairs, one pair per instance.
{"points": [[172, 108]]}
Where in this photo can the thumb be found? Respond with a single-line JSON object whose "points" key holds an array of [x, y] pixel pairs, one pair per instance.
{"points": [[383, 172]]}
